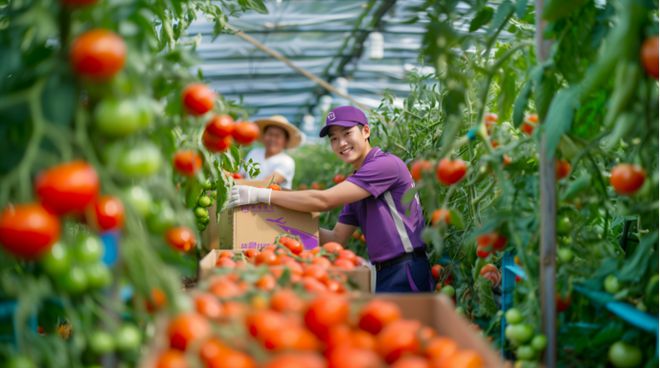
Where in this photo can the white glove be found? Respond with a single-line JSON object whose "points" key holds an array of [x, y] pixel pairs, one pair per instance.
{"points": [[242, 194]]}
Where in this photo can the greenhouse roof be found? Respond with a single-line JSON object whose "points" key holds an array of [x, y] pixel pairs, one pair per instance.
{"points": [[338, 41]]}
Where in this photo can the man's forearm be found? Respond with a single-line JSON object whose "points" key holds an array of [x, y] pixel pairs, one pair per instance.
{"points": [[326, 236], [304, 201]]}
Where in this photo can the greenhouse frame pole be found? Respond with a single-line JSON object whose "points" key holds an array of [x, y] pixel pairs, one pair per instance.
{"points": [[548, 242]]}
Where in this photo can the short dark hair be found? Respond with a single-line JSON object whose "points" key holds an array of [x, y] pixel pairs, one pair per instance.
{"points": [[286, 134]]}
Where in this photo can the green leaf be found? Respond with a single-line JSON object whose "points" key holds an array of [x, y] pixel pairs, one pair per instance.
{"points": [[486, 304], [521, 8], [257, 5], [635, 266], [456, 219], [576, 187], [482, 18], [520, 105], [559, 118], [557, 9], [59, 100], [544, 91], [502, 14]]}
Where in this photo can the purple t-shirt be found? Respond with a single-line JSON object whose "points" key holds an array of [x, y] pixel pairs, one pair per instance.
{"points": [[382, 172]]}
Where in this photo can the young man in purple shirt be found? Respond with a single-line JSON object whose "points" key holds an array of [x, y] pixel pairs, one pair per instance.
{"points": [[372, 200]]}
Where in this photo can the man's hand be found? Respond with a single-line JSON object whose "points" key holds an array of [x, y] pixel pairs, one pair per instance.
{"points": [[242, 194]]}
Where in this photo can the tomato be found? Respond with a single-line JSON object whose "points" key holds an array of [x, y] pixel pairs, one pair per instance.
{"points": [[564, 225], [450, 171], [506, 160], [139, 199], [649, 56], [208, 305], [441, 215], [88, 249], [298, 360], [98, 54], [56, 260], [220, 126], [141, 160], [74, 281], [539, 342], [525, 352], [324, 312], [28, 231], [293, 245], [448, 290], [624, 355], [198, 99], [332, 247], [245, 132], [172, 359], [491, 273], [101, 342], [145, 111], [98, 275], [339, 178], [214, 143], [186, 329], [161, 218], [482, 253], [107, 213], [187, 162], [204, 201], [627, 179], [492, 241], [181, 238], [68, 187], [128, 338], [529, 124], [562, 303], [513, 316], [397, 339], [562, 169], [440, 348], [519, 334], [377, 314], [611, 284], [117, 118], [435, 271], [419, 167], [236, 176], [565, 255]]}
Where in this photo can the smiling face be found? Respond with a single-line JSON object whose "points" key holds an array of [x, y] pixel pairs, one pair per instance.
{"points": [[274, 140], [350, 144]]}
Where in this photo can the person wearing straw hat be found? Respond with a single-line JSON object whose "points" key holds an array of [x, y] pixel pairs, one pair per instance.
{"points": [[372, 199], [277, 134]]}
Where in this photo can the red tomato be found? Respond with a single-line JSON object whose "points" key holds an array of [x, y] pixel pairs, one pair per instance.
{"points": [[562, 169], [451, 171], [28, 230], [245, 132], [220, 126], [181, 238], [397, 339], [187, 162], [325, 312], [293, 245], [490, 119], [418, 167], [108, 213], [491, 273], [378, 314], [68, 187], [98, 54], [171, 359], [198, 99], [214, 143], [339, 178], [236, 176], [627, 179], [649, 56], [186, 329], [435, 271], [440, 215], [482, 253], [492, 241]]}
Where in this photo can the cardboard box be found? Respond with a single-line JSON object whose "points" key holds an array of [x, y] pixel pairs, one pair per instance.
{"points": [[438, 312], [360, 277], [255, 226]]}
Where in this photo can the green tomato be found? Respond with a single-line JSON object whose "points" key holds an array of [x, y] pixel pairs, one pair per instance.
{"points": [[201, 213], [128, 338], [564, 225], [449, 291], [525, 352], [611, 284], [565, 255], [207, 185], [101, 342], [162, 218], [57, 260], [117, 118], [20, 361], [539, 342], [624, 355], [88, 249], [142, 160], [513, 316], [140, 199], [74, 281], [204, 201], [145, 112], [98, 275], [519, 334]]}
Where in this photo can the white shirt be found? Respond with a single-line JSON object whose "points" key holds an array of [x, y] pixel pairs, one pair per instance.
{"points": [[280, 163]]}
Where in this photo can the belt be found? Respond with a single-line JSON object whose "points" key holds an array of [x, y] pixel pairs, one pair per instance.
{"points": [[417, 253]]}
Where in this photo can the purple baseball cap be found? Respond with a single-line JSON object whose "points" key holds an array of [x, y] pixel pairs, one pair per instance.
{"points": [[344, 116]]}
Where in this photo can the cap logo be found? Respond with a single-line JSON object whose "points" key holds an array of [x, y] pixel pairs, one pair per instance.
{"points": [[331, 116]]}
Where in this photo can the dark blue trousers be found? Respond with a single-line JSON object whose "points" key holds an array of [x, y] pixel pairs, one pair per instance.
{"points": [[412, 275]]}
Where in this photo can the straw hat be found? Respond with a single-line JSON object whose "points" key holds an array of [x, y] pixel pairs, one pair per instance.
{"points": [[295, 137]]}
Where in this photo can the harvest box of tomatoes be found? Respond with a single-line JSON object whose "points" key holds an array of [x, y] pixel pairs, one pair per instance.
{"points": [[321, 264], [235, 319]]}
